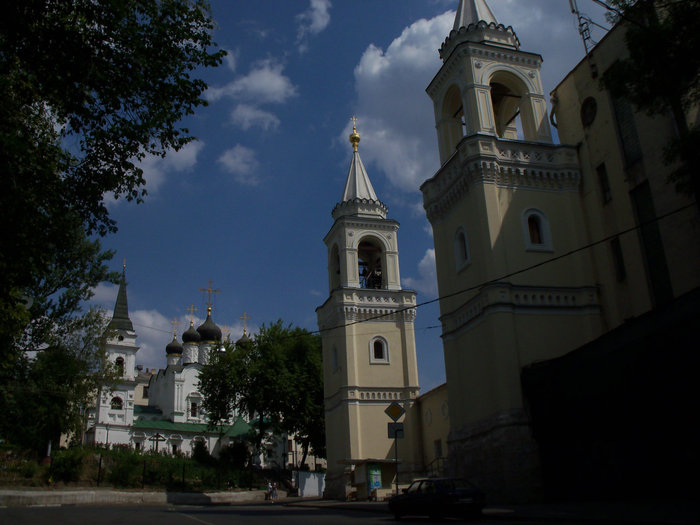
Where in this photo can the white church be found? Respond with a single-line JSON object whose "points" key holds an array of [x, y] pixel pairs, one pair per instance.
{"points": [[161, 411]]}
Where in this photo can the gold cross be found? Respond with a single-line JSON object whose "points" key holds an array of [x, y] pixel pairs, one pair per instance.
{"points": [[245, 318], [174, 322], [209, 291], [354, 121], [226, 330], [191, 309]]}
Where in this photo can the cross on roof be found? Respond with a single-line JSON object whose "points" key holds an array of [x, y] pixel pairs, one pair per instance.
{"points": [[174, 322], [209, 291], [191, 309], [245, 318], [354, 121], [226, 329]]}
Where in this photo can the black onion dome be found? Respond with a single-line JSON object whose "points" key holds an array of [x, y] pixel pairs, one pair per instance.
{"points": [[208, 330], [173, 347], [244, 340], [191, 335]]}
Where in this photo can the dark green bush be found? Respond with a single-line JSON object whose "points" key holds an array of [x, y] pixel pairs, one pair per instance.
{"points": [[67, 465]]}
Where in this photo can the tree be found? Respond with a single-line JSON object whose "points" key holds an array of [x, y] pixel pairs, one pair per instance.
{"points": [[48, 395], [88, 89], [276, 380], [661, 75]]}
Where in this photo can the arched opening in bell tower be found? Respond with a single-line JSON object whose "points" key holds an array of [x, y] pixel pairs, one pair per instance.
{"points": [[452, 118], [506, 99], [370, 264]]}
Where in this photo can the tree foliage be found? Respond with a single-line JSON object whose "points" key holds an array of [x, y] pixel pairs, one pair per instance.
{"points": [[275, 380], [88, 89], [48, 394], [661, 75]]}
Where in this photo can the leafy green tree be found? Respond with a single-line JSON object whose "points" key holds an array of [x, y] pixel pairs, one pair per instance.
{"points": [[88, 89], [276, 380], [661, 75], [48, 395]]}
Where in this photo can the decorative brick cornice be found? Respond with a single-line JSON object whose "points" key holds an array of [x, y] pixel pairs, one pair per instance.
{"points": [[507, 297], [363, 304], [485, 159]]}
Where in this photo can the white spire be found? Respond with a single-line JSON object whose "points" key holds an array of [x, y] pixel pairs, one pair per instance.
{"points": [[473, 12], [359, 197], [358, 185]]}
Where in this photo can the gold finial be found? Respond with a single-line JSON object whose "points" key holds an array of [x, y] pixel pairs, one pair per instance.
{"points": [[209, 291], [354, 136], [124, 264], [245, 318], [174, 322], [191, 309]]}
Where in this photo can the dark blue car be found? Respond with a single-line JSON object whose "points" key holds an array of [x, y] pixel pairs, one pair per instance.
{"points": [[439, 498]]}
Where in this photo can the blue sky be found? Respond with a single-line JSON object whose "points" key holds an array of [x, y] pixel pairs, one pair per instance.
{"points": [[248, 204]]}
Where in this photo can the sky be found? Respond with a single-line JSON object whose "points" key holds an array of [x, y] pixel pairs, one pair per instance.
{"points": [[247, 205]]}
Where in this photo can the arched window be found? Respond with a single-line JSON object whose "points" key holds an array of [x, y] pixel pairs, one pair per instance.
{"points": [[452, 123], [120, 366], [369, 265], [461, 249], [334, 268], [378, 350], [536, 232], [117, 403]]}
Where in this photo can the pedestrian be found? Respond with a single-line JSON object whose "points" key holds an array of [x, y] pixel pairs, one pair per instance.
{"points": [[268, 496], [274, 491]]}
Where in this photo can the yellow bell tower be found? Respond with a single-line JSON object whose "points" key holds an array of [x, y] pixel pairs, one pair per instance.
{"points": [[369, 352]]}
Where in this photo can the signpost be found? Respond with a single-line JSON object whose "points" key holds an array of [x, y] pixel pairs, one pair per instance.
{"points": [[395, 430]]}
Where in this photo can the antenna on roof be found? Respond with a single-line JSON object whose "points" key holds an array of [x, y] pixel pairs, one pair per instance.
{"points": [[584, 28]]}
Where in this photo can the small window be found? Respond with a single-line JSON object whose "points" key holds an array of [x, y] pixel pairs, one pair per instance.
{"points": [[536, 231], [589, 109], [117, 403], [618, 259], [461, 249], [379, 350], [193, 409], [137, 445], [145, 392], [334, 358], [120, 366], [602, 172], [176, 449]]}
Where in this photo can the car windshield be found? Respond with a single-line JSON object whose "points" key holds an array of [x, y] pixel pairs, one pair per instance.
{"points": [[414, 487], [455, 484]]}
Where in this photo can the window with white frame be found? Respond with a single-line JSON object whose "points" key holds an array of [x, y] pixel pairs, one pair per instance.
{"points": [[116, 403], [378, 350], [536, 232], [461, 249]]}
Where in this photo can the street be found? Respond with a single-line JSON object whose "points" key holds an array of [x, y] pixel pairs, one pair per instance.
{"points": [[210, 515]]}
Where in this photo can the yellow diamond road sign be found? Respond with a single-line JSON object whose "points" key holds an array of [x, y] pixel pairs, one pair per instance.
{"points": [[394, 411]]}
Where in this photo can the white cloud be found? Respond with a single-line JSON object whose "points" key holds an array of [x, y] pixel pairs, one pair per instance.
{"points": [[104, 295], [312, 21], [247, 116], [242, 163], [397, 129], [265, 83], [155, 169], [426, 283], [231, 59]]}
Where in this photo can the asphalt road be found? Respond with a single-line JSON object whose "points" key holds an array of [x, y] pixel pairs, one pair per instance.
{"points": [[210, 515]]}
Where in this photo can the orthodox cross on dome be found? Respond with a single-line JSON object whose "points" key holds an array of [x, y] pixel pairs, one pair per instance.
{"points": [[209, 291], [174, 322], [191, 309], [245, 318], [226, 329]]}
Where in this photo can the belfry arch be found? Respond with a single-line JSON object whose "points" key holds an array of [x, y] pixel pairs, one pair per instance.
{"points": [[452, 123], [371, 262]]}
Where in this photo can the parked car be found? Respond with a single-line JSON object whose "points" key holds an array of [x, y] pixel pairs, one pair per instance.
{"points": [[438, 498]]}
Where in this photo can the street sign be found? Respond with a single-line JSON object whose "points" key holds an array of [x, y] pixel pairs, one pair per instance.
{"points": [[395, 430], [395, 411]]}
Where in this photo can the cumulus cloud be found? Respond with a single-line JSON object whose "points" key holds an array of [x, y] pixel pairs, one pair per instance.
{"points": [[397, 132], [426, 283], [231, 59], [242, 163], [155, 169], [312, 21], [247, 116], [265, 83]]}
